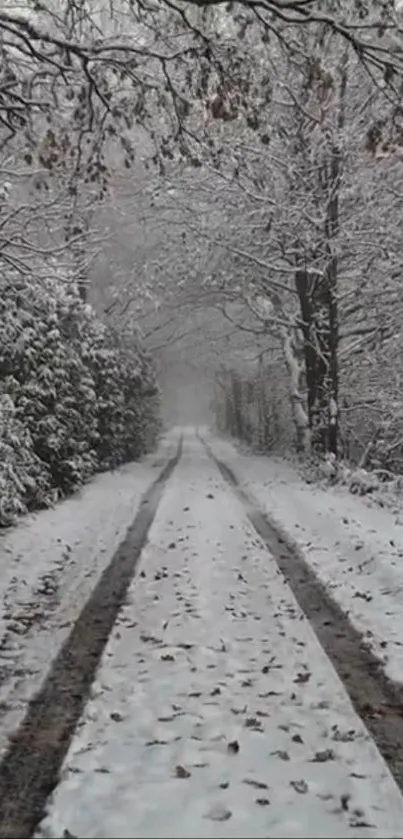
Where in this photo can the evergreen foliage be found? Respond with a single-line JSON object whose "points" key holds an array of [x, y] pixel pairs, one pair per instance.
{"points": [[74, 398]]}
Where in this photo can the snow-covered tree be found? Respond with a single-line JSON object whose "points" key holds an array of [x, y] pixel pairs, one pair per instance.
{"points": [[74, 397]]}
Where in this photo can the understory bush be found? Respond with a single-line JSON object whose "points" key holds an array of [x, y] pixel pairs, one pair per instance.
{"points": [[75, 398]]}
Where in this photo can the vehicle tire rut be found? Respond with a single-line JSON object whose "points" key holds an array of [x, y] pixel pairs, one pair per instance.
{"points": [[30, 768], [376, 699]]}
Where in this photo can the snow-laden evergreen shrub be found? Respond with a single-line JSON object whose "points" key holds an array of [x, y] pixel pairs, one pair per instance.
{"points": [[52, 390], [127, 404], [128, 401], [73, 398], [24, 480]]}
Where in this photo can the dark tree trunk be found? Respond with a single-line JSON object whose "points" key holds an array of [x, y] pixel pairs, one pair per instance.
{"points": [[318, 305], [237, 406], [318, 298]]}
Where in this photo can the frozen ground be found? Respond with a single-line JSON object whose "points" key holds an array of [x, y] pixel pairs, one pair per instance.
{"points": [[215, 712], [355, 548], [49, 564]]}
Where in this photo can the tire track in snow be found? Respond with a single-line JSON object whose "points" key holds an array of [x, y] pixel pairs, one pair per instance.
{"points": [[30, 768], [215, 711], [376, 699]]}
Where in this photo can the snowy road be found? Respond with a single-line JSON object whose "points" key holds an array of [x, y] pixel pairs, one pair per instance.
{"points": [[215, 711], [49, 564], [352, 544]]}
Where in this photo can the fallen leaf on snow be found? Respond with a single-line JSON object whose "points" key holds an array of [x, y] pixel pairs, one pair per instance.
{"points": [[302, 678], [149, 638], [323, 757], [253, 723], [363, 595], [268, 693], [157, 743], [181, 772], [218, 813], [281, 754], [257, 784], [343, 736], [360, 823], [299, 786], [233, 747], [358, 819]]}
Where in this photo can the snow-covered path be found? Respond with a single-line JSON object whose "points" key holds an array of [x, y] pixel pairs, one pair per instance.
{"points": [[354, 547], [215, 711], [50, 563]]}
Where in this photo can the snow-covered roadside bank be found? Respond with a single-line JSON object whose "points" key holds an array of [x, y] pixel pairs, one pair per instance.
{"points": [[215, 712], [49, 564], [356, 550]]}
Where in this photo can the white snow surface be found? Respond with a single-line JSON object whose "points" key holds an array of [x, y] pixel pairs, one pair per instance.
{"points": [[355, 547], [49, 564], [215, 712]]}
